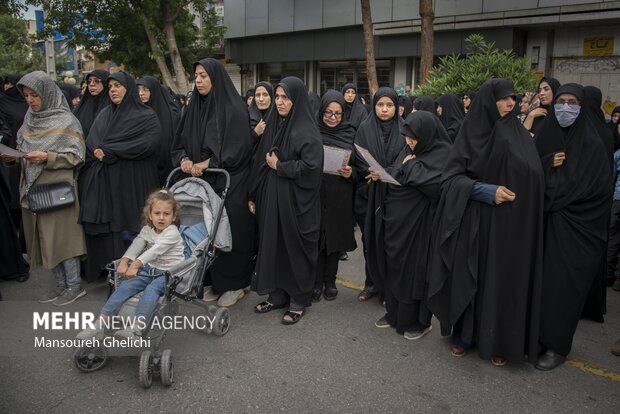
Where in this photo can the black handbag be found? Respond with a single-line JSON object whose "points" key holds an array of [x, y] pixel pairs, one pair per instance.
{"points": [[51, 196]]}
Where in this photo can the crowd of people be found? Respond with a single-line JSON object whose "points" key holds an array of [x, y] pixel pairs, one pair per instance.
{"points": [[498, 213]]}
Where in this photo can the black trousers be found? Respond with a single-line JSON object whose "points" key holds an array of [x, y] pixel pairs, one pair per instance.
{"points": [[405, 317], [326, 269], [360, 219]]}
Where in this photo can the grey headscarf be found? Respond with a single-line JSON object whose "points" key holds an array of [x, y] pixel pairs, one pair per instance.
{"points": [[53, 128]]}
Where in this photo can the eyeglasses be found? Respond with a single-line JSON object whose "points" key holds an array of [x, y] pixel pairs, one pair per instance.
{"points": [[329, 114], [567, 101], [93, 81]]}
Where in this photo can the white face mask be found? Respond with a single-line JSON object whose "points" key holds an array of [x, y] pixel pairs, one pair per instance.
{"points": [[566, 114]]}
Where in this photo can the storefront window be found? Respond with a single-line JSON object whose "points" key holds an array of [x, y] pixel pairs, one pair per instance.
{"points": [[275, 72], [333, 75]]}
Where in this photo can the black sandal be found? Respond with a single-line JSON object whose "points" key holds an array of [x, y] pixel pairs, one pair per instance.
{"points": [[294, 315], [267, 306], [368, 293]]}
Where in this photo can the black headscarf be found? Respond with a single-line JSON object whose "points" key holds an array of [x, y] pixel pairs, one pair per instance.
{"points": [[407, 103], [342, 135], [592, 107], [452, 114], [287, 199], [425, 103], [113, 190], [614, 129], [355, 113], [315, 102], [538, 123], [14, 107], [169, 116], [577, 202], [90, 105], [248, 93], [215, 126], [256, 114], [70, 92], [469, 282]]}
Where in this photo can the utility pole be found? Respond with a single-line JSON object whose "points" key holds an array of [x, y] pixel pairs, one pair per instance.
{"points": [[50, 58]]}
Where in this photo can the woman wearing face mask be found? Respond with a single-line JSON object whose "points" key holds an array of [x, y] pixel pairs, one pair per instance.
{"points": [[408, 217], [577, 201], [535, 119], [380, 135], [486, 266], [122, 150], [259, 109]]}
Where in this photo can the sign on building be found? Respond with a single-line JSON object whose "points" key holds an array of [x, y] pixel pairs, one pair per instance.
{"points": [[598, 46]]}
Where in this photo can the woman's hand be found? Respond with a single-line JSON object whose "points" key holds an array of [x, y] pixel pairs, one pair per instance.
{"points": [[538, 112], [98, 153], [503, 194], [199, 167], [408, 157], [36, 157], [372, 175], [252, 207], [345, 171], [272, 160], [558, 159], [186, 166], [260, 128], [7, 158]]}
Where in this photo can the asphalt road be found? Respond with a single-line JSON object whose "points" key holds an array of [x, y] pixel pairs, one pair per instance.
{"points": [[333, 360]]}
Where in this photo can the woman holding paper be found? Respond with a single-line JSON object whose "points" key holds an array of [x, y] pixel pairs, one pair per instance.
{"points": [[379, 134], [408, 216], [336, 195]]}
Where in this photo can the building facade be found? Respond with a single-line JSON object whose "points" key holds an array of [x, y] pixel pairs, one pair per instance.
{"points": [[321, 41]]}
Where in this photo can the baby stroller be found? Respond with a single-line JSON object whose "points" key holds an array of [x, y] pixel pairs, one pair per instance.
{"points": [[200, 208]]}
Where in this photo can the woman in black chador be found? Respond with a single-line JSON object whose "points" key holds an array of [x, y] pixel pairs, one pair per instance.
{"points": [[547, 90], [259, 109], [286, 190], [120, 172], [577, 203], [354, 110], [380, 135], [153, 94], [94, 100], [214, 132], [336, 197], [452, 114], [408, 217], [486, 267]]}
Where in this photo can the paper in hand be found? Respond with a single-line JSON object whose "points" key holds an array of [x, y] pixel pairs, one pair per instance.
{"points": [[372, 163], [334, 159], [10, 151]]}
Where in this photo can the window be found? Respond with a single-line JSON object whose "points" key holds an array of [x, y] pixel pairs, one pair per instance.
{"points": [[333, 75], [275, 72]]}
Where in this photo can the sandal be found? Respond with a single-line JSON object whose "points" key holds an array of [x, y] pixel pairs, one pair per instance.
{"points": [[266, 306], [294, 317], [457, 351], [498, 361], [369, 292]]}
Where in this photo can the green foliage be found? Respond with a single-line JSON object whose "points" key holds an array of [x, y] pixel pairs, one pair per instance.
{"points": [[457, 74], [14, 8], [114, 30], [18, 53]]}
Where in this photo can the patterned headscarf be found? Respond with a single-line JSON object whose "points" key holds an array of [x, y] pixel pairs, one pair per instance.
{"points": [[53, 128]]}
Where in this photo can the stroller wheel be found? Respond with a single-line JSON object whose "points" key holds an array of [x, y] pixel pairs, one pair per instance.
{"points": [[221, 325], [89, 359], [146, 369], [166, 368]]}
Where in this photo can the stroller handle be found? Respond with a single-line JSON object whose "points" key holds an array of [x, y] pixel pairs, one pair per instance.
{"points": [[213, 171]]}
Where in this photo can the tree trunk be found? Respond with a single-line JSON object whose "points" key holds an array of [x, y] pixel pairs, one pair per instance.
{"points": [[173, 48], [426, 39], [369, 48], [159, 59]]}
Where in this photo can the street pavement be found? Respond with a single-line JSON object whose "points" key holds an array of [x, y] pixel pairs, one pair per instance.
{"points": [[333, 360]]}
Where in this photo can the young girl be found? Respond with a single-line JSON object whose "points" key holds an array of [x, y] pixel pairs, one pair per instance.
{"points": [[156, 249]]}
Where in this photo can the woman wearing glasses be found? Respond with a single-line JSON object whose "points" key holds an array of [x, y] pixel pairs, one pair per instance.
{"points": [[336, 197], [94, 100]]}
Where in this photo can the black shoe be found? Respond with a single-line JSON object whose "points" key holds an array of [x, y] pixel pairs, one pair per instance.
{"points": [[550, 360], [330, 292], [23, 277], [316, 295]]}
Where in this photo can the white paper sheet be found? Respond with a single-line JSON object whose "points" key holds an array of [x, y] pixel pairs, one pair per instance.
{"points": [[334, 159], [10, 151], [372, 163]]}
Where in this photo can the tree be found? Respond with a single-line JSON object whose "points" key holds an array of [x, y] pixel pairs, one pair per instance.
{"points": [[18, 53], [456, 74], [144, 35], [12, 7], [426, 39], [369, 48]]}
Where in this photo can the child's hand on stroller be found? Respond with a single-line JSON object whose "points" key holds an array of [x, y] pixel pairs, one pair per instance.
{"points": [[122, 267], [133, 269]]}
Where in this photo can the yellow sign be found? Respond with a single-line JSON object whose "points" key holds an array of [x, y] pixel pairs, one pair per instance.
{"points": [[598, 46]]}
